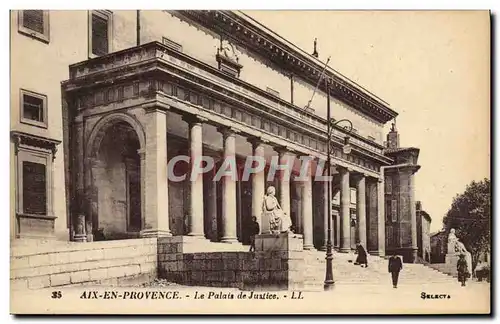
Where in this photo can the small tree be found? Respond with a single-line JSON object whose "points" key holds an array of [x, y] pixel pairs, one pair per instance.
{"points": [[470, 216]]}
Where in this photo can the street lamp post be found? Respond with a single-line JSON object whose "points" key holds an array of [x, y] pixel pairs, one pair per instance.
{"points": [[329, 282]]}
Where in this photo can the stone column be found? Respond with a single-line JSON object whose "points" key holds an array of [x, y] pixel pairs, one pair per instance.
{"points": [[372, 216], [284, 182], [413, 211], [337, 226], [381, 217], [306, 206], [196, 184], [142, 169], [361, 209], [258, 184], [345, 217], [326, 205], [78, 210], [154, 174], [229, 189]]}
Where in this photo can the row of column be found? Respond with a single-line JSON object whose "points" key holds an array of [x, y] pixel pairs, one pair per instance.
{"points": [[155, 188]]}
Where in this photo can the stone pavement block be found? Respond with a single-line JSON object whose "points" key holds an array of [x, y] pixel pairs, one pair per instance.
{"points": [[79, 276], [230, 255], [38, 282], [23, 273], [60, 279], [132, 270], [231, 264], [199, 255], [115, 272], [264, 276], [95, 255], [98, 274], [206, 264], [19, 263], [39, 260], [213, 276], [217, 264], [47, 270], [250, 264], [147, 267], [91, 265], [197, 276], [77, 256], [229, 275], [59, 258], [113, 253]]}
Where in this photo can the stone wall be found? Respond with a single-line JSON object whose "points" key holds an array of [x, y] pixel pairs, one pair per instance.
{"points": [[35, 265], [244, 270]]}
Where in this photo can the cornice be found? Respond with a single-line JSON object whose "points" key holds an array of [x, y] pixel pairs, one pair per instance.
{"points": [[22, 139], [154, 71], [255, 38]]}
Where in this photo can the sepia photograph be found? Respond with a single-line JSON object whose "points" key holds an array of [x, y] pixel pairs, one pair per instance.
{"points": [[250, 162]]}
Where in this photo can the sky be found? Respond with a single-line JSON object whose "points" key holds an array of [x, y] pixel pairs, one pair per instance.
{"points": [[431, 67]]}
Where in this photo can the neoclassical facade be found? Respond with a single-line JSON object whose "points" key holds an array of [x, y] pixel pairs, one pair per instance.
{"points": [[155, 85]]}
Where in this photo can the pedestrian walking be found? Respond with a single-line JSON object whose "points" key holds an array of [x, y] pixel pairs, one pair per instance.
{"points": [[395, 266], [362, 258], [463, 271], [254, 230]]}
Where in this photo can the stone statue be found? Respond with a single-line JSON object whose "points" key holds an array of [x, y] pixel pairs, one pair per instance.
{"points": [[455, 247], [279, 221]]}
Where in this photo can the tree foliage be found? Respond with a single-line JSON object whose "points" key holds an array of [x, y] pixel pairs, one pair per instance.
{"points": [[470, 216]]}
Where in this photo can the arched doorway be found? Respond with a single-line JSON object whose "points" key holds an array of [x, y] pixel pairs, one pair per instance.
{"points": [[114, 181]]}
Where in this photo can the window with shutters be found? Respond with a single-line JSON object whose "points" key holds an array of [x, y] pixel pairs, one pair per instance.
{"points": [[34, 158], [34, 23], [33, 108], [34, 188], [100, 32]]}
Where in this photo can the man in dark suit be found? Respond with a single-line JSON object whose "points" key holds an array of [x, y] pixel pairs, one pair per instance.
{"points": [[395, 265], [254, 230]]}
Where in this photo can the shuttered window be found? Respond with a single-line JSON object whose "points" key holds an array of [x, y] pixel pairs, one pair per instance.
{"points": [[100, 29], [34, 188], [34, 23], [33, 19]]}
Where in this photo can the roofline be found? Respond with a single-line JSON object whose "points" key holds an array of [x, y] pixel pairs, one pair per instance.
{"points": [[310, 56], [246, 31]]}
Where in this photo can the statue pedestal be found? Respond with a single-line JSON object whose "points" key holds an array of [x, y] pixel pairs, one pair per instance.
{"points": [[278, 242], [264, 224], [451, 263]]}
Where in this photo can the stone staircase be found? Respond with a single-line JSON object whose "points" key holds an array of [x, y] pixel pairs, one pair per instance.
{"points": [[345, 272]]}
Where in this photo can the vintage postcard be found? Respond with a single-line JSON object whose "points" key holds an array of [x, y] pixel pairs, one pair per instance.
{"points": [[249, 162]]}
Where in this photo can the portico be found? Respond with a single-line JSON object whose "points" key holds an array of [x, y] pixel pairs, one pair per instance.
{"points": [[162, 104]]}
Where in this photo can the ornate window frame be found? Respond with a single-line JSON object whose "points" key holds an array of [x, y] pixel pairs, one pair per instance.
{"points": [[41, 150], [105, 14], [44, 37]]}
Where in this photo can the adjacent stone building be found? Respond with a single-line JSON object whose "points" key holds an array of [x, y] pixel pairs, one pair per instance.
{"points": [[103, 100], [423, 234]]}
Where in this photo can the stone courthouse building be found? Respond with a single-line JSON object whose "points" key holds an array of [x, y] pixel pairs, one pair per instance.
{"points": [[102, 100]]}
